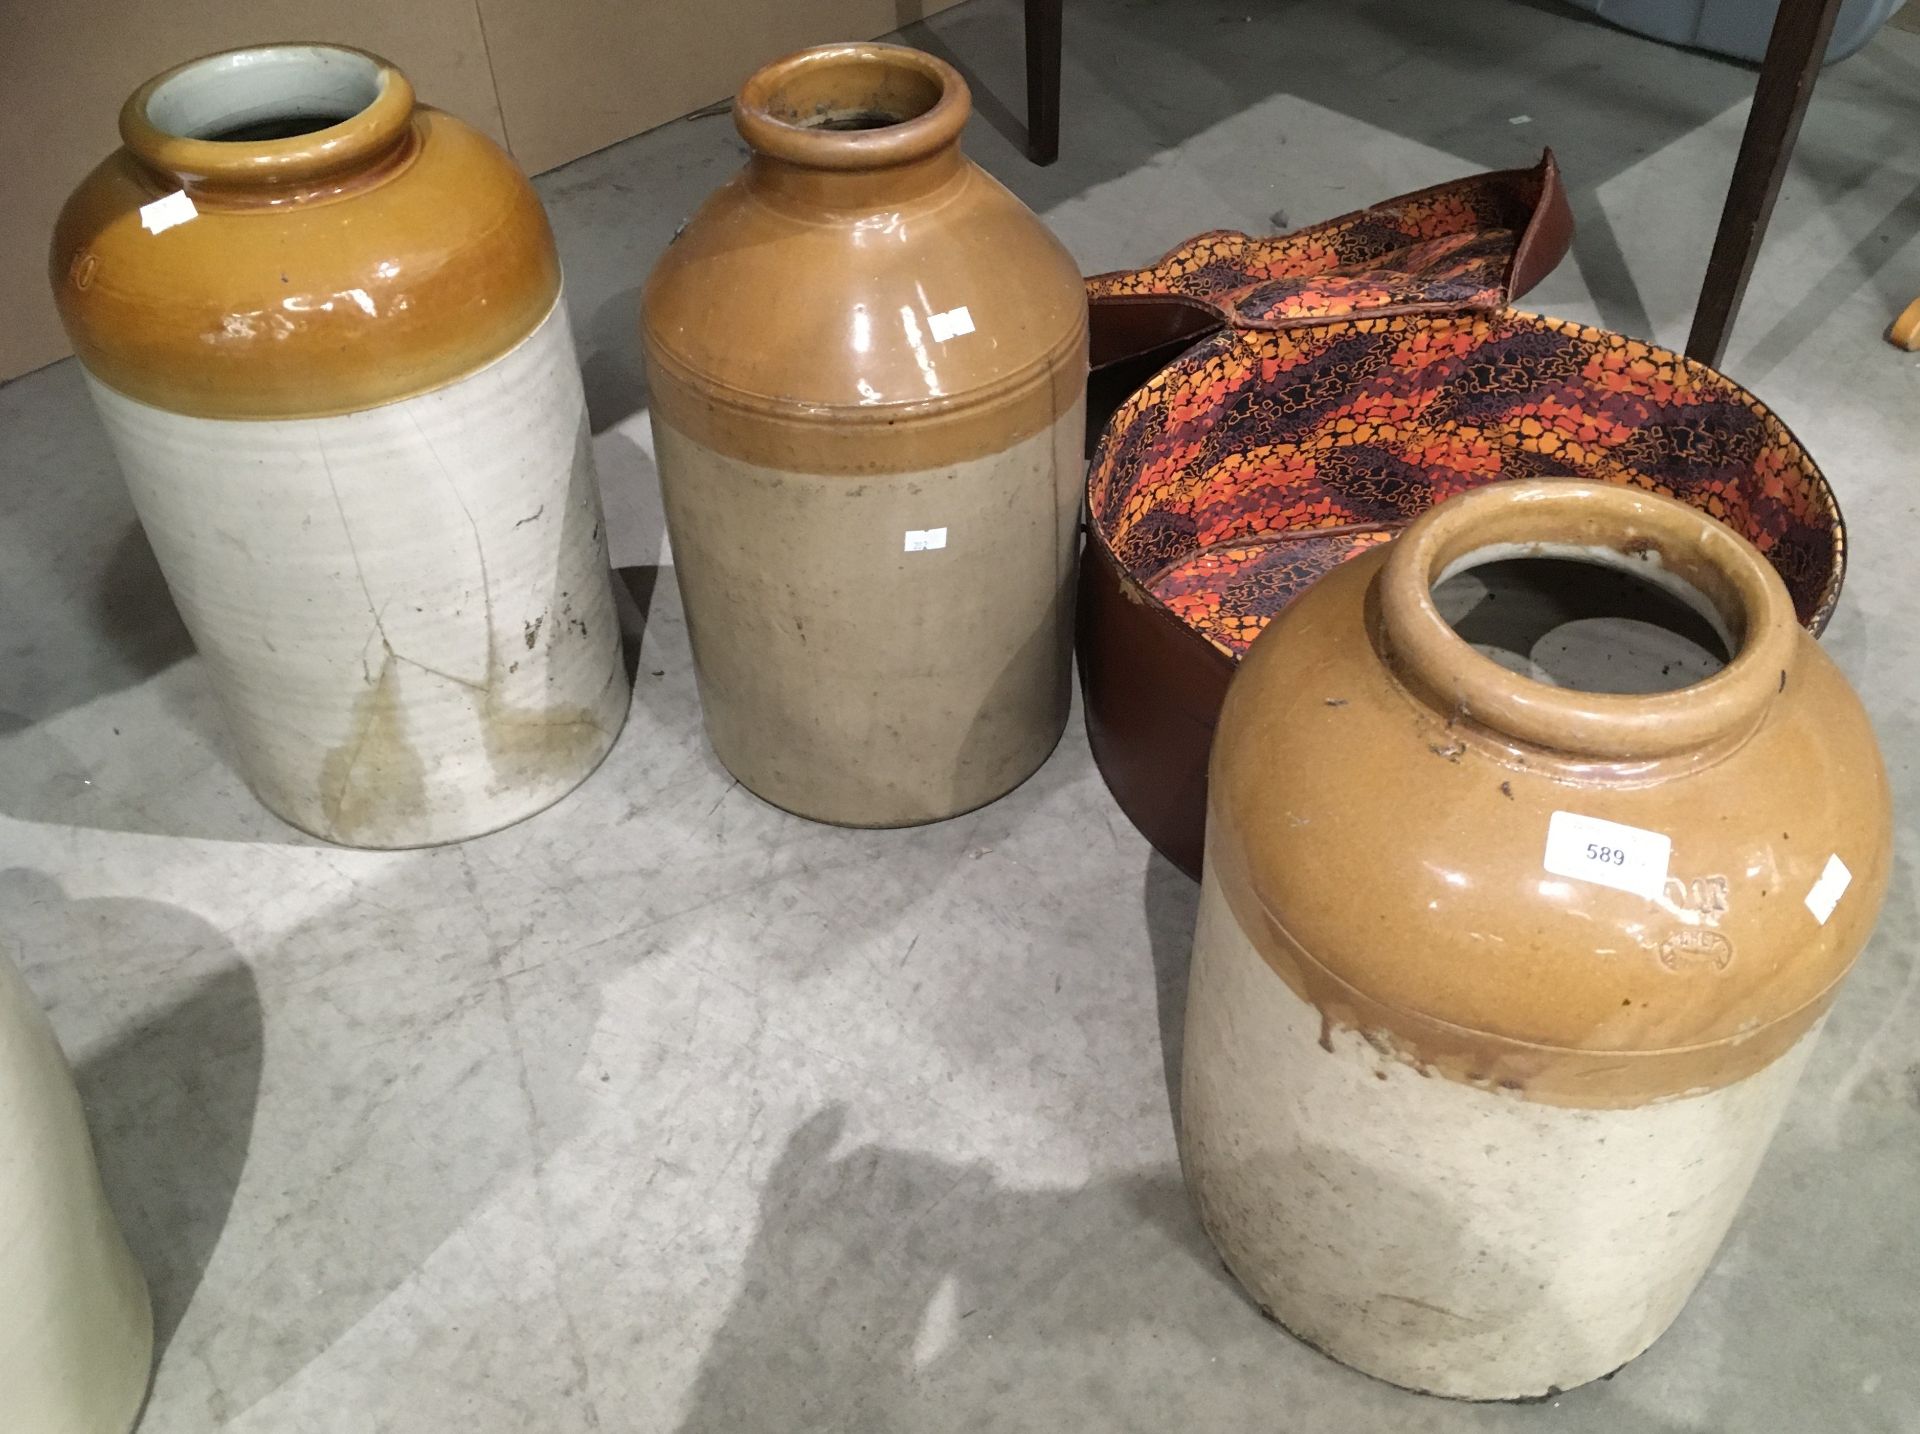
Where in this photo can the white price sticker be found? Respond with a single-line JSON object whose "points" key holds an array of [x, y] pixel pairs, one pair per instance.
{"points": [[1607, 853], [1827, 891], [951, 324], [925, 540], [163, 214]]}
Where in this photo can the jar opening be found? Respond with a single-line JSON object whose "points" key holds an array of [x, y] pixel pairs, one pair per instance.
{"points": [[1590, 620], [853, 107], [251, 96], [271, 119], [1695, 561], [861, 93], [863, 119]]}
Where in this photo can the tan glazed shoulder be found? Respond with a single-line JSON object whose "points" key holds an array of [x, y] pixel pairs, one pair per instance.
{"points": [[307, 298], [745, 300], [1388, 862]]}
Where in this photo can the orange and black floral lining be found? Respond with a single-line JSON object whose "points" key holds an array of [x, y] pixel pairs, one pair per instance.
{"points": [[1297, 434]]}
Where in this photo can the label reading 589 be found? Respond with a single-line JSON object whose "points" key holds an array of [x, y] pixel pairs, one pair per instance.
{"points": [[1607, 853]]}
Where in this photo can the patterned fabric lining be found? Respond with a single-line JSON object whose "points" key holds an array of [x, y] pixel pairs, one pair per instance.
{"points": [[1229, 592], [1262, 457], [1444, 248]]}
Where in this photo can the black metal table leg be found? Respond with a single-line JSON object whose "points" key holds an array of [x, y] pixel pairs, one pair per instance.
{"points": [[1044, 25], [1794, 54]]}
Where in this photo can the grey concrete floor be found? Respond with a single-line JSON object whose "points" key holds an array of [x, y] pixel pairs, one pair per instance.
{"points": [[667, 1111]]}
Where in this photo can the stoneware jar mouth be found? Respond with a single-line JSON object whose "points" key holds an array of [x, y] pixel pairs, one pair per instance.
{"points": [[269, 115], [853, 107], [1661, 540]]}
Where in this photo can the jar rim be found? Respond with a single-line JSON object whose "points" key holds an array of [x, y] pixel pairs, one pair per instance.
{"points": [[1667, 542], [165, 122], [797, 109]]}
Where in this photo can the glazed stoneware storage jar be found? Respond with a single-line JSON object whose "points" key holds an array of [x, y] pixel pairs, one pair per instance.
{"points": [[76, 1331], [1499, 988], [324, 329], [867, 363]]}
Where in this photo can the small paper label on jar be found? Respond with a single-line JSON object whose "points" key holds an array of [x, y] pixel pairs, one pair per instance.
{"points": [[1827, 891], [951, 324], [1607, 853], [925, 540], [163, 214]]}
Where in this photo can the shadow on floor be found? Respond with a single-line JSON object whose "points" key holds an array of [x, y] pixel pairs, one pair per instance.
{"points": [[171, 1107], [405, 1096], [138, 620], [636, 526], [613, 373], [890, 1289], [876, 1270], [1868, 259], [1171, 900], [88, 613], [130, 627], [170, 1102]]}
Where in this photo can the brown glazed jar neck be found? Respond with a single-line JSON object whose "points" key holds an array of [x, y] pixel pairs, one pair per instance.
{"points": [[273, 124], [830, 196], [844, 130], [1596, 735]]}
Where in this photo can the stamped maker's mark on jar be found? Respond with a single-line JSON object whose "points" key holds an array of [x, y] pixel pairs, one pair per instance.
{"points": [[1700, 902], [1704, 898], [1690, 950]]}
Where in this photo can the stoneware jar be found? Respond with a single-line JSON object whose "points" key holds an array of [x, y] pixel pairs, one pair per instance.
{"points": [[1499, 988], [867, 363], [324, 329], [76, 1331]]}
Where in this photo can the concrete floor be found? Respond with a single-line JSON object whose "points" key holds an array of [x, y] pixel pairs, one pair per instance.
{"points": [[667, 1111]]}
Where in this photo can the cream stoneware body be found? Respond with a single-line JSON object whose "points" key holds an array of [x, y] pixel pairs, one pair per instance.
{"points": [[76, 1330], [1464, 1107], [324, 330], [867, 364]]}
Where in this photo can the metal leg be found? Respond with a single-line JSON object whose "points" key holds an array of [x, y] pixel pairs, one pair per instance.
{"points": [[1044, 24], [1792, 63]]}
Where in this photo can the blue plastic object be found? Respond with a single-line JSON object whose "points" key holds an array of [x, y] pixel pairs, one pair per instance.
{"points": [[1736, 27]]}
